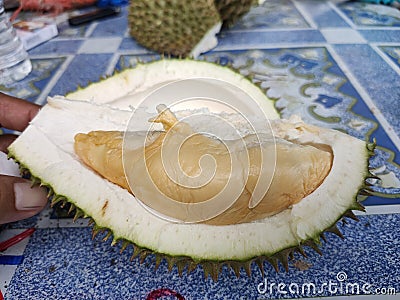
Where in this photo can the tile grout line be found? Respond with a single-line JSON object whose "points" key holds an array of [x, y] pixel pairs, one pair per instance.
{"points": [[384, 56], [270, 46], [366, 98], [113, 62], [43, 95], [379, 210], [343, 15], [301, 9]]}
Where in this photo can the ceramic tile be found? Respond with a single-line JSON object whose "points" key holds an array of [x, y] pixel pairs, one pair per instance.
{"points": [[322, 14], [393, 53], [381, 36], [243, 40], [342, 36], [57, 46], [272, 14], [87, 269], [365, 14], [336, 64], [73, 77], [100, 45]]}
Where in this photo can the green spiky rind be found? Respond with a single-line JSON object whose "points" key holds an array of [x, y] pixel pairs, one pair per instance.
{"points": [[212, 268], [231, 11], [172, 27]]}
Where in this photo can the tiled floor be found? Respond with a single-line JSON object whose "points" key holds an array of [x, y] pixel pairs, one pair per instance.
{"points": [[336, 65]]}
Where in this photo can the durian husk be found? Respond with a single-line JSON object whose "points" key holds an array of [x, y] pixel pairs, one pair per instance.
{"points": [[213, 268], [172, 27]]}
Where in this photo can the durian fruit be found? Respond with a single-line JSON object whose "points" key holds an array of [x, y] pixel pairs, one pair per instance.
{"points": [[305, 166], [175, 27], [46, 149], [183, 28]]}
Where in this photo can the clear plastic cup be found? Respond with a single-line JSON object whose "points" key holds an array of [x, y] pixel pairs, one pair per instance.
{"points": [[14, 60]]}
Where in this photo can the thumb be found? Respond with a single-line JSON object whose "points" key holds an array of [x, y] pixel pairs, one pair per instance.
{"points": [[18, 199]]}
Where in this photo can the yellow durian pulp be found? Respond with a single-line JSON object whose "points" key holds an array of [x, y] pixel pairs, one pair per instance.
{"points": [[296, 172]]}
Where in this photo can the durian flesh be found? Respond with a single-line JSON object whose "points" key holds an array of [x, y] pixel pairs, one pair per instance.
{"points": [[290, 171], [48, 153]]}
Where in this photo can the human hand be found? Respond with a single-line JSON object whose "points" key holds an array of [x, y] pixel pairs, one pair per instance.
{"points": [[18, 200]]}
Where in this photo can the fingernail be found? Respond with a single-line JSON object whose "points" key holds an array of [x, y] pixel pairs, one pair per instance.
{"points": [[27, 197]]}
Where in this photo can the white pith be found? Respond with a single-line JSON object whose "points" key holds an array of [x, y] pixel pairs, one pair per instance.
{"points": [[46, 149], [131, 86]]}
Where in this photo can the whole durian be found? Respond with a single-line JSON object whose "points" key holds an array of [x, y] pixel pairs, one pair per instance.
{"points": [[175, 27]]}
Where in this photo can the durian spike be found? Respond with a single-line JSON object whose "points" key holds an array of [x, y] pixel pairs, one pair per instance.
{"points": [[247, 267], [336, 231], [358, 206], [108, 235], [136, 252], [323, 237], [191, 266], [158, 261], [283, 257], [96, 230], [260, 264], [171, 262], [181, 264], [78, 214], [313, 245], [235, 266], [349, 214], [90, 222], [114, 242], [124, 245], [71, 208], [56, 199], [143, 256], [300, 249], [274, 262], [212, 269]]}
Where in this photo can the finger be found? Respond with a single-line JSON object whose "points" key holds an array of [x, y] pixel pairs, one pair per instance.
{"points": [[18, 200], [16, 113], [5, 141]]}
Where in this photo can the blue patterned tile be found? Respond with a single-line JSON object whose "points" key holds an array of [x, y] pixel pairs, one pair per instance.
{"points": [[65, 263], [114, 26], [130, 45], [365, 14], [377, 77], [57, 46], [308, 82], [234, 40], [393, 53], [95, 66], [272, 14], [381, 36], [322, 14], [30, 87]]}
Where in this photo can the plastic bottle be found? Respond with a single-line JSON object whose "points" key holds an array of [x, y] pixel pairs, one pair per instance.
{"points": [[14, 61]]}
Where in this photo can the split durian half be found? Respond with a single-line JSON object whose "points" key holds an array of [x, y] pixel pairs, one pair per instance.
{"points": [[335, 169]]}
